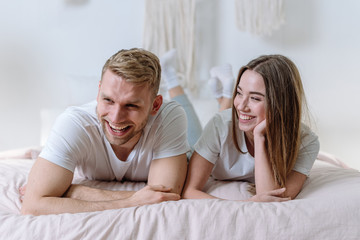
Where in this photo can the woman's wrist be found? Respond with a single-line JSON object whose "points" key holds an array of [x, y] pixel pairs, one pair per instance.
{"points": [[259, 139]]}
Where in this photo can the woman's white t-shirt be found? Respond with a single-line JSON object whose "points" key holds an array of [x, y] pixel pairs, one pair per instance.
{"points": [[217, 146]]}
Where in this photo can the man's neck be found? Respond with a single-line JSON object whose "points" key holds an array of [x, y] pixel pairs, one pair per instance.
{"points": [[123, 151]]}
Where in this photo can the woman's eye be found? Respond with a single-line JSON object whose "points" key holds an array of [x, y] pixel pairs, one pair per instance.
{"points": [[256, 99]]}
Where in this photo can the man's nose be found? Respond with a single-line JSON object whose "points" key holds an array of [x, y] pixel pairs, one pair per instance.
{"points": [[117, 114]]}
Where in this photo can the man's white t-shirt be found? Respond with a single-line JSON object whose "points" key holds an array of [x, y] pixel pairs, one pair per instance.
{"points": [[78, 141], [217, 146]]}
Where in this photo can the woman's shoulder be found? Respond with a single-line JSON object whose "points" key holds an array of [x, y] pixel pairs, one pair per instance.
{"points": [[306, 131], [220, 124], [308, 137]]}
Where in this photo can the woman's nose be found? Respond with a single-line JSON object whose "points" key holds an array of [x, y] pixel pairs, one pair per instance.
{"points": [[243, 105]]}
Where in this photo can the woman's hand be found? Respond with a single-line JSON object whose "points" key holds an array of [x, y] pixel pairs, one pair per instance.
{"points": [[260, 129], [270, 196]]}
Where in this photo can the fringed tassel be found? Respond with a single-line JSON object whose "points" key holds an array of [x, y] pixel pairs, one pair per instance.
{"points": [[259, 17], [171, 24]]}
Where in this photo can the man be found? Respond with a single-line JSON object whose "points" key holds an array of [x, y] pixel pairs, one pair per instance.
{"points": [[127, 134]]}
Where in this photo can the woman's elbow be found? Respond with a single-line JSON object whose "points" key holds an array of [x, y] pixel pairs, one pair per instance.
{"points": [[188, 193], [291, 193]]}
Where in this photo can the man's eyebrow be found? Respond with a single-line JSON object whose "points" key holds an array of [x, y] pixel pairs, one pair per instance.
{"points": [[253, 92], [104, 95], [136, 101]]}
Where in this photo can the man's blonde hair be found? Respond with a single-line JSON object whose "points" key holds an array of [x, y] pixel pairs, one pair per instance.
{"points": [[136, 65]]}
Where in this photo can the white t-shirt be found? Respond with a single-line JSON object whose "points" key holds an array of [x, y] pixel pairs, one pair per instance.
{"points": [[78, 141], [217, 146]]}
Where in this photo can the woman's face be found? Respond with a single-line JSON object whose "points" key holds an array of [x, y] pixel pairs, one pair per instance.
{"points": [[249, 101]]}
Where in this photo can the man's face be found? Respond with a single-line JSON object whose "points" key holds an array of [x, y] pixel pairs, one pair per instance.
{"points": [[123, 109]]}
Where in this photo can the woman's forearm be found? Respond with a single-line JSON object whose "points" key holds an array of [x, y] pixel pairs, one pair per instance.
{"points": [[264, 177]]}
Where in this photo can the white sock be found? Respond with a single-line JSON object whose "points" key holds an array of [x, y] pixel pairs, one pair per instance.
{"points": [[168, 69], [170, 77], [228, 87], [216, 87], [225, 75]]}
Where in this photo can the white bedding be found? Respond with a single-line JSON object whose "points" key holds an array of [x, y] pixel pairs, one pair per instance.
{"points": [[327, 208]]}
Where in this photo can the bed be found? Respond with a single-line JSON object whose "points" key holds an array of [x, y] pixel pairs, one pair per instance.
{"points": [[326, 208]]}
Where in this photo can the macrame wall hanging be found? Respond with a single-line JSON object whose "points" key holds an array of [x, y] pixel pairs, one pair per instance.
{"points": [[171, 24], [259, 17]]}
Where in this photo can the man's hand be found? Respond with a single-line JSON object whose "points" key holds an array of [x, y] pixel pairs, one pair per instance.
{"points": [[270, 196], [153, 194]]}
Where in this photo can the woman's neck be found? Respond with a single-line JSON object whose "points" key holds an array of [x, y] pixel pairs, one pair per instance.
{"points": [[249, 140]]}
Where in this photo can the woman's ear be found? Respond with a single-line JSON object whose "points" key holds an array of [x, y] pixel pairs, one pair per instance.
{"points": [[156, 104]]}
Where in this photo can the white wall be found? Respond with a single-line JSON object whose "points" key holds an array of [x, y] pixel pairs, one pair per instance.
{"points": [[44, 45]]}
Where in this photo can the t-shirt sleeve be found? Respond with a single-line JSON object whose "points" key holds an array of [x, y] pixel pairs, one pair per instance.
{"points": [[171, 136], [308, 152], [208, 145], [64, 146]]}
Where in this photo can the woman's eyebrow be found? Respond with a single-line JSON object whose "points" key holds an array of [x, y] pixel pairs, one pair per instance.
{"points": [[253, 92]]}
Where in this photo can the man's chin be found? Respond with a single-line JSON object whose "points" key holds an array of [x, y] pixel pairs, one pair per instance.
{"points": [[115, 140]]}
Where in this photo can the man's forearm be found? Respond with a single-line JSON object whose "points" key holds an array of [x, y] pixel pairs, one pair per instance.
{"points": [[81, 192], [56, 205]]}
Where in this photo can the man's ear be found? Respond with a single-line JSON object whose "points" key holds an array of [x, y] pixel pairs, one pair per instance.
{"points": [[156, 104]]}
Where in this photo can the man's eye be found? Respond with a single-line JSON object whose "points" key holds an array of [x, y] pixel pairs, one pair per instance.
{"points": [[133, 106]]}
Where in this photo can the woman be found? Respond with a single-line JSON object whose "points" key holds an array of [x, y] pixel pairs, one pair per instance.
{"points": [[261, 139]]}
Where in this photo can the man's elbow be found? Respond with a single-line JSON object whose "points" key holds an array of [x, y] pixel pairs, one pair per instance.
{"points": [[29, 208], [25, 210]]}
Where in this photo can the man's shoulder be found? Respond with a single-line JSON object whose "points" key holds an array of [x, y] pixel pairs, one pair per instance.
{"points": [[76, 119], [169, 105], [171, 113], [83, 113], [170, 109]]}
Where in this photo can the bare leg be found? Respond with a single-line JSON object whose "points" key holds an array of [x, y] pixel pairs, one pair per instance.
{"points": [[222, 84], [225, 103], [176, 91]]}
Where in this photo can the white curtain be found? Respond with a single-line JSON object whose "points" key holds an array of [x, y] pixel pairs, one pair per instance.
{"points": [[171, 24], [259, 17]]}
